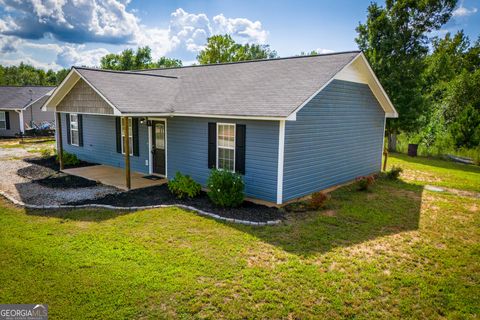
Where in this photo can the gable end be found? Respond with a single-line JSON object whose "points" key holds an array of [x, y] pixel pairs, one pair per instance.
{"points": [[83, 99]]}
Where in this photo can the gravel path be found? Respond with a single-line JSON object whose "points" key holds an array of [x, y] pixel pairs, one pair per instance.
{"points": [[11, 153], [23, 189]]}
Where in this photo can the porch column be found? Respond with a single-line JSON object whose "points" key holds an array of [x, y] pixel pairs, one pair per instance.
{"points": [[126, 148], [59, 139]]}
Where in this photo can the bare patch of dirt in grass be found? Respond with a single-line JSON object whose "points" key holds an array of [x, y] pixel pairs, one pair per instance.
{"points": [[422, 176], [463, 193], [473, 208], [392, 246], [266, 257], [329, 213]]}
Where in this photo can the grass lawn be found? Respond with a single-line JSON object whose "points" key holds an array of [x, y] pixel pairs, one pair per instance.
{"points": [[397, 251], [421, 170], [30, 144]]}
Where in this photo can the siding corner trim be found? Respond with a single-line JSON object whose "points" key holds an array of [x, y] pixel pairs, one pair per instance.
{"points": [[281, 152]]}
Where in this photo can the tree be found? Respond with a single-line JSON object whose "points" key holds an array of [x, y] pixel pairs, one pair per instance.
{"points": [[394, 40], [136, 60], [222, 48], [462, 109], [451, 84], [24, 74], [165, 62]]}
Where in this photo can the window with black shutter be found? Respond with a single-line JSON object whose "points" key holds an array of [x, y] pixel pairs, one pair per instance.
{"points": [[226, 146], [118, 133], [212, 145], [67, 127], [240, 140]]}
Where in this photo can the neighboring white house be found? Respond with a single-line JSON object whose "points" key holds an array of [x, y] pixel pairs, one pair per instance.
{"points": [[20, 108]]}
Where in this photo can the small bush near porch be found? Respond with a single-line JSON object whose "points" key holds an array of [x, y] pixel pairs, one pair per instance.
{"points": [[398, 251]]}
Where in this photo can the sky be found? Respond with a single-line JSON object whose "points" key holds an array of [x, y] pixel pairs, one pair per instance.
{"points": [[60, 33]]}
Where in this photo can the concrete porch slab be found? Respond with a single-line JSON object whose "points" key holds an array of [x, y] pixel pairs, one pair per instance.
{"points": [[113, 176]]}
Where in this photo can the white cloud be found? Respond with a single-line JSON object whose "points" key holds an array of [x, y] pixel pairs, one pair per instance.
{"points": [[323, 51], [8, 44], [191, 31], [70, 24], [240, 28], [157, 39], [77, 55], [30, 61], [463, 12], [74, 21]]}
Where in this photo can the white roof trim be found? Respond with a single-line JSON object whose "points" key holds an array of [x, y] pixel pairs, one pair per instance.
{"points": [[393, 113], [62, 91], [194, 115], [387, 105]]}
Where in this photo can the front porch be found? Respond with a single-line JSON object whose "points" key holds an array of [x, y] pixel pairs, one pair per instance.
{"points": [[115, 177]]}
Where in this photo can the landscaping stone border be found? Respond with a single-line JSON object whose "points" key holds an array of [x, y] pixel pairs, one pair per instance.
{"points": [[106, 206]]}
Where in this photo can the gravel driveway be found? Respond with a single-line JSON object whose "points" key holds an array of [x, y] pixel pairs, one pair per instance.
{"points": [[23, 189]]}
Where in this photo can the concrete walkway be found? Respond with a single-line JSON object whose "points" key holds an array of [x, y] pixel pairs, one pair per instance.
{"points": [[113, 176]]}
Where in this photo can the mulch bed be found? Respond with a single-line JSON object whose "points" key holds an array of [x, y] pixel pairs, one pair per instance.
{"points": [[65, 181], [45, 172], [34, 172], [51, 162], [159, 195]]}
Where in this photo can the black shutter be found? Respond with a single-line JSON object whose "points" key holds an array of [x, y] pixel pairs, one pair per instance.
{"points": [[7, 120], [67, 121], [80, 130], [135, 136], [240, 148], [118, 132], [212, 145]]}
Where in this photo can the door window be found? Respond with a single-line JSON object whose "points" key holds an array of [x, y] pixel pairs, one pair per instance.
{"points": [[160, 136]]}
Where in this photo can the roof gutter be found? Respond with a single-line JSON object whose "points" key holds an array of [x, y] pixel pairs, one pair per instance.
{"points": [[174, 114]]}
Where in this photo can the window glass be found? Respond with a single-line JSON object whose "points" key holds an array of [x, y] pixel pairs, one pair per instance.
{"points": [[226, 147], [160, 136], [130, 136], [3, 121], [74, 129]]}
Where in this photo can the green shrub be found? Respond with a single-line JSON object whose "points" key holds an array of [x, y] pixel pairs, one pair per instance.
{"points": [[183, 186], [46, 153], [225, 188], [318, 200], [364, 183], [394, 173], [69, 159]]}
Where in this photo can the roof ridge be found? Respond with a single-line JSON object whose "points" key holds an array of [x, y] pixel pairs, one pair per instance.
{"points": [[251, 61], [125, 72]]}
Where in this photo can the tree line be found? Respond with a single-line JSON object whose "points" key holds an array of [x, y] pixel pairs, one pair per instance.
{"points": [[432, 81]]}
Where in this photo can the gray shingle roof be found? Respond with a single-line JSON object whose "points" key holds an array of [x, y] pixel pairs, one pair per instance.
{"points": [[133, 92], [16, 97], [270, 88]]}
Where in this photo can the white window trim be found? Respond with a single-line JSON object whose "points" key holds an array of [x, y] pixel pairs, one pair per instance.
{"points": [[71, 130], [122, 135], [234, 143], [4, 120]]}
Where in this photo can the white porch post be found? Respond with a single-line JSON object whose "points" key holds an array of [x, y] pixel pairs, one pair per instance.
{"points": [[22, 122]]}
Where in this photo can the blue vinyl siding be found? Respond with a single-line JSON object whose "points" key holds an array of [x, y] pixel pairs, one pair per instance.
{"points": [[337, 137], [187, 152], [99, 143]]}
